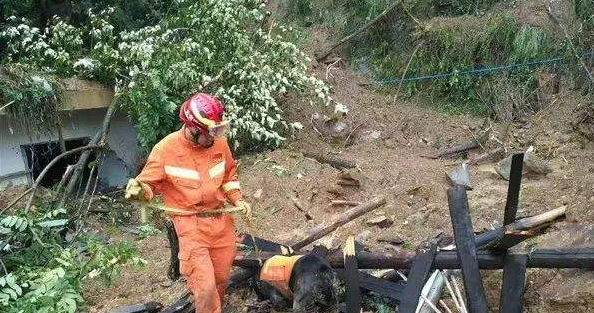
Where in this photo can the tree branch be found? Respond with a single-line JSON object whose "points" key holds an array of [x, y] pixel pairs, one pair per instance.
{"points": [[360, 30], [50, 165]]}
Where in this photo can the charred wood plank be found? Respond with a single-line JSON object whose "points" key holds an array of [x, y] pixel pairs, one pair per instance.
{"points": [[351, 277], [514, 186], [510, 239], [466, 249], [489, 238], [379, 286], [265, 245], [487, 260], [512, 289], [419, 273]]}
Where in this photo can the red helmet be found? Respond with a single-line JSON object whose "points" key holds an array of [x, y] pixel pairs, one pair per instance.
{"points": [[204, 113]]}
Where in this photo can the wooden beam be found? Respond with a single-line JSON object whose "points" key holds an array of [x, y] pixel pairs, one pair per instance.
{"points": [[466, 250], [419, 273], [513, 190], [265, 245], [351, 277], [324, 229], [487, 260], [379, 286], [512, 288], [488, 238]]}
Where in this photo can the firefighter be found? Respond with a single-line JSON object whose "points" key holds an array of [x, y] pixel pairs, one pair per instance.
{"points": [[194, 171]]}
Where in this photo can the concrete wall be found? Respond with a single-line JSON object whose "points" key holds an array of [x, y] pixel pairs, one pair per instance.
{"points": [[118, 165]]}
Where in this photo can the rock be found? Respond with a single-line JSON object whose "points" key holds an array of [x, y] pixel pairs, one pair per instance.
{"points": [[503, 168], [363, 236], [534, 164], [371, 135], [351, 174], [166, 284], [460, 176], [392, 239], [380, 221], [258, 194]]}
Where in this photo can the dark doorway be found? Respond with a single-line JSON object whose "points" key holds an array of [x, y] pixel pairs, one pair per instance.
{"points": [[38, 155]]}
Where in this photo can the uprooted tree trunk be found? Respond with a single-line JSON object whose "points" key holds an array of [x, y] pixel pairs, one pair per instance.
{"points": [[99, 139]]}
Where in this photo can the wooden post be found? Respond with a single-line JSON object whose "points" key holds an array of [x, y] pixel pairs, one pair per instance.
{"points": [[513, 190], [351, 277], [466, 250], [512, 288], [419, 273]]}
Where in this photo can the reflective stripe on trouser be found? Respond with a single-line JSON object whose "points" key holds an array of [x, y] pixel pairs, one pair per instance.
{"points": [[206, 253]]}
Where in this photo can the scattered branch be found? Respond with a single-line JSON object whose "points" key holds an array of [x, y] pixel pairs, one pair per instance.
{"points": [[50, 165], [360, 30], [406, 70], [569, 41], [16, 200]]}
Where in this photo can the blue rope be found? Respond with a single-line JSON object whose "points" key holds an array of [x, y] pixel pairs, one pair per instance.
{"points": [[478, 71]]}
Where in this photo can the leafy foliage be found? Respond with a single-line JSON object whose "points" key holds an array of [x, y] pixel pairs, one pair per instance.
{"points": [[32, 100], [43, 270], [147, 230], [226, 48]]}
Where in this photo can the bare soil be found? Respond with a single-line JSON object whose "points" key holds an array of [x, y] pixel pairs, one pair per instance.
{"points": [[415, 188]]}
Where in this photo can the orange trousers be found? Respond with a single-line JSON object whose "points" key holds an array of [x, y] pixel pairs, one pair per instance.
{"points": [[206, 253]]}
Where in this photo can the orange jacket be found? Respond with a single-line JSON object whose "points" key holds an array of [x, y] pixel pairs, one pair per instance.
{"points": [[190, 177]]}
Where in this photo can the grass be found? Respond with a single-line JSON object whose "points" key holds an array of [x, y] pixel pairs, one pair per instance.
{"points": [[456, 36]]}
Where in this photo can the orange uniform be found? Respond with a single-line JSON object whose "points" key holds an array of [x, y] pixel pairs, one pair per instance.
{"points": [[195, 178]]}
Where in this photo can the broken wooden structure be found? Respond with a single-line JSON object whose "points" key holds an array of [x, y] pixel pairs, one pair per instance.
{"points": [[486, 251]]}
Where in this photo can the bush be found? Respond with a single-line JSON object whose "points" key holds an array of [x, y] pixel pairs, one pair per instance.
{"points": [[222, 47], [43, 271]]}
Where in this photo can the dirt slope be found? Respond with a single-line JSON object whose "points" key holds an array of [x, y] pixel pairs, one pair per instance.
{"points": [[388, 141]]}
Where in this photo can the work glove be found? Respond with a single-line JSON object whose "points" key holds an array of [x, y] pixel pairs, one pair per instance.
{"points": [[247, 208], [134, 190]]}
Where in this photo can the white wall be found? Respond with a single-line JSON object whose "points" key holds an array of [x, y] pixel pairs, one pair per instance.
{"points": [[117, 167]]}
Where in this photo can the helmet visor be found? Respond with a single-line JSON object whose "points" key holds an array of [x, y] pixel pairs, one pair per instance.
{"points": [[219, 130]]}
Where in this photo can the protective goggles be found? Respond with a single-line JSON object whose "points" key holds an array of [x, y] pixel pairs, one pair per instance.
{"points": [[219, 130]]}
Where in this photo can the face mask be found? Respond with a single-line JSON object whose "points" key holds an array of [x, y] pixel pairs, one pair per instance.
{"points": [[200, 139]]}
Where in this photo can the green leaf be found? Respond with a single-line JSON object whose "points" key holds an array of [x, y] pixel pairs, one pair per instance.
{"points": [[60, 272], [10, 292], [70, 305], [4, 298], [18, 223], [24, 226], [53, 223], [10, 281]]}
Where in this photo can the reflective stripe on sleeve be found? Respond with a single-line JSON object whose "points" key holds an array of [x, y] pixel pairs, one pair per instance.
{"points": [[232, 185], [217, 170]]}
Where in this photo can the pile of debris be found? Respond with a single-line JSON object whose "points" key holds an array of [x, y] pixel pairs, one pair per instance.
{"points": [[432, 268]]}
